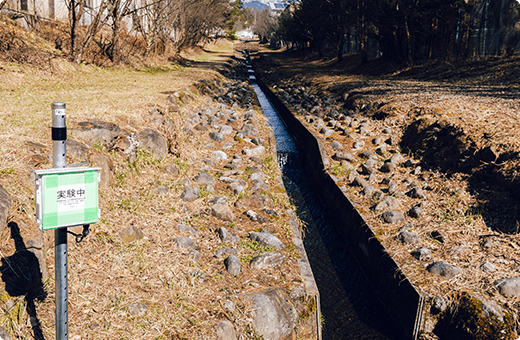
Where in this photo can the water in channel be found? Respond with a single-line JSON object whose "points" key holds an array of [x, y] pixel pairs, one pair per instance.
{"points": [[348, 306]]}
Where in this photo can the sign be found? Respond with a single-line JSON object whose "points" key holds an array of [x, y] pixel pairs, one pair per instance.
{"points": [[66, 197]]}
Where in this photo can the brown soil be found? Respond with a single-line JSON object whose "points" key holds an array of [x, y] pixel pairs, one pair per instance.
{"points": [[458, 123]]}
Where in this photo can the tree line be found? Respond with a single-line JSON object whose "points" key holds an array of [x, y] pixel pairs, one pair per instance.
{"points": [[119, 31], [408, 31]]}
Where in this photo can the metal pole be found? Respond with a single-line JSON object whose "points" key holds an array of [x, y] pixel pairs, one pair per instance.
{"points": [[59, 150]]}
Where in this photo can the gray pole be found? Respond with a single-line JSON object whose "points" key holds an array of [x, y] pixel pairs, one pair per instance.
{"points": [[59, 150]]}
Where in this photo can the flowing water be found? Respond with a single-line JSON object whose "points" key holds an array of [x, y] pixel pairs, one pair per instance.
{"points": [[349, 308]]}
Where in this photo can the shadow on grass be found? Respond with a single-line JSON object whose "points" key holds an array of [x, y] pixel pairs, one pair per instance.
{"points": [[22, 276]]}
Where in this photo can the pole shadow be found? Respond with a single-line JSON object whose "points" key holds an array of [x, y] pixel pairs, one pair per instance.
{"points": [[22, 276]]}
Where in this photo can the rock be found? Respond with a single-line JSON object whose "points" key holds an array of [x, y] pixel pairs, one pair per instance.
{"points": [[78, 150], [488, 267], [369, 167], [377, 141], [257, 176], [222, 211], [344, 156], [238, 186], [393, 216], [229, 306], [128, 145], [204, 178], [194, 255], [422, 254], [137, 309], [388, 202], [233, 265], [267, 260], [219, 155], [225, 330], [359, 182], [3, 334], [209, 162], [336, 145], [381, 150], [5, 205], [409, 238], [202, 126], [226, 129], [392, 187], [509, 287], [439, 305], [153, 141], [387, 167], [416, 211], [258, 151], [417, 193], [102, 161], [253, 202], [271, 212], [267, 240], [227, 236], [171, 169], [358, 145], [274, 318], [225, 251], [396, 159], [216, 136], [368, 190], [190, 194], [444, 269], [186, 228], [184, 242], [98, 131], [130, 234]]}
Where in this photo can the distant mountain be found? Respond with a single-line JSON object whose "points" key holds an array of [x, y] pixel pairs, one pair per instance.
{"points": [[255, 4]]}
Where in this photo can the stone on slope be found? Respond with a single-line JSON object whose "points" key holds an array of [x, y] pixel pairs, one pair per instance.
{"points": [[186, 228], [98, 131], [204, 178], [267, 240], [444, 269], [154, 141], [77, 150], [393, 216], [225, 330], [190, 194], [266, 260], [184, 242], [274, 318], [227, 236], [509, 287], [222, 211], [233, 266]]}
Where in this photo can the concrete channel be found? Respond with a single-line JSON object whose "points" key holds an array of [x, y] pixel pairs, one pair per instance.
{"points": [[363, 294]]}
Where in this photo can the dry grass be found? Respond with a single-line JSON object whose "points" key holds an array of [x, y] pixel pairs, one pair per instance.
{"points": [[107, 275]]}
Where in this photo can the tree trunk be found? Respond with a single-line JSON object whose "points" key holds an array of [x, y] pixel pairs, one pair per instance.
{"points": [[340, 47]]}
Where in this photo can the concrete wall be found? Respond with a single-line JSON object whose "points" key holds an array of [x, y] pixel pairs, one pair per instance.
{"points": [[391, 286]]}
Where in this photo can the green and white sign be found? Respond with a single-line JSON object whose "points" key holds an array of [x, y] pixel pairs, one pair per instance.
{"points": [[66, 197]]}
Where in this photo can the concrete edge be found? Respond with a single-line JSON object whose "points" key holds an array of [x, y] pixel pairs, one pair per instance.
{"points": [[311, 288], [393, 289]]}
